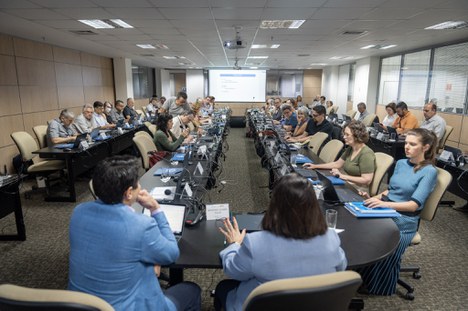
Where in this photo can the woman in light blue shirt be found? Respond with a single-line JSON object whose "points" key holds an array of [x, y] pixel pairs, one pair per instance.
{"points": [[294, 242], [410, 185]]}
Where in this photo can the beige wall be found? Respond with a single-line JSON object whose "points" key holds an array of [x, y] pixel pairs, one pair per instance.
{"points": [[459, 136], [38, 80], [312, 85]]}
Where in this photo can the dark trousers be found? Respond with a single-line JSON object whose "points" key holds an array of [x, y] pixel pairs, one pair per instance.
{"points": [[221, 292], [186, 296]]}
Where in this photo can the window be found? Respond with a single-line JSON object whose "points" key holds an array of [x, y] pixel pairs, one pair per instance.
{"points": [[284, 83], [450, 77], [143, 82], [389, 79], [352, 75], [414, 78]]}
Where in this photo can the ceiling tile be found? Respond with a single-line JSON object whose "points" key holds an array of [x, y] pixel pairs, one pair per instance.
{"points": [[237, 13], [140, 13], [354, 3], [287, 13], [85, 13], [64, 24], [55, 4], [392, 13], [296, 3], [180, 3], [35, 14], [122, 3], [238, 3], [17, 4], [195, 13], [340, 13]]}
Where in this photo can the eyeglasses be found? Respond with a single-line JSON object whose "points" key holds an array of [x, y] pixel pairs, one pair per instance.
{"points": [[315, 115]]}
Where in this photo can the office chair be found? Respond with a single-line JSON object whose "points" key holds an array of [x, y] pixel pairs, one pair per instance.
{"points": [[142, 133], [369, 119], [331, 292], [448, 131], [144, 144], [37, 166], [351, 113], [383, 162], [331, 150], [152, 128], [139, 111], [41, 134], [18, 298], [316, 141], [444, 179]]}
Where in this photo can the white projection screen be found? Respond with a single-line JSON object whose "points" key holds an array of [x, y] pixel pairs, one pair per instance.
{"points": [[237, 85]]}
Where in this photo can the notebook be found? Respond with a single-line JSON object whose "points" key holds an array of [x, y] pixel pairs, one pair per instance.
{"points": [[96, 135], [359, 210], [178, 157], [175, 215]]}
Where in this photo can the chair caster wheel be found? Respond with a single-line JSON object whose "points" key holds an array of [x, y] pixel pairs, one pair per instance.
{"points": [[416, 275], [409, 296]]}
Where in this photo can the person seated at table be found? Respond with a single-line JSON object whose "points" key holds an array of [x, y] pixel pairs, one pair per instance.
{"points": [[357, 164], [100, 118], [129, 111], [294, 242], [60, 131], [318, 123], [302, 120], [107, 112], [289, 121], [181, 123], [116, 114], [153, 107], [207, 107], [432, 121], [276, 114], [116, 252], [405, 120], [299, 101], [330, 108], [362, 112], [391, 114], [410, 185], [164, 139], [84, 123]]}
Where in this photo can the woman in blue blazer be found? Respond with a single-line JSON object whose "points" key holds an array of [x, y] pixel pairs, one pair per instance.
{"points": [[294, 242]]}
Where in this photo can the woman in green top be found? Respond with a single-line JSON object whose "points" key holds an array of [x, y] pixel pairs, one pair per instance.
{"points": [[357, 164], [164, 139]]}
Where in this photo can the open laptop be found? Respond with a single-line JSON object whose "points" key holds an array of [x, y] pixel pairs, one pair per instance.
{"points": [[332, 194], [175, 215], [96, 135], [74, 145], [346, 118]]}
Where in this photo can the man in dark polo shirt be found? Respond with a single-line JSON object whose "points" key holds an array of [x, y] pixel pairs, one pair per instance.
{"points": [[318, 123]]}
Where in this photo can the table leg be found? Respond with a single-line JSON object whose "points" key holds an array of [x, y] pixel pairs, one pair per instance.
{"points": [[70, 183]]}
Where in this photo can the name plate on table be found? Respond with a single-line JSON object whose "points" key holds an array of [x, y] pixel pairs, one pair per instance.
{"points": [[188, 190], [199, 168], [217, 211]]}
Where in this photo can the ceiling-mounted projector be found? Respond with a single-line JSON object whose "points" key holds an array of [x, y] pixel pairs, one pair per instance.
{"points": [[234, 44]]}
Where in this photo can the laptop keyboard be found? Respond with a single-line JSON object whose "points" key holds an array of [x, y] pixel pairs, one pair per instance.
{"points": [[306, 173], [346, 195]]}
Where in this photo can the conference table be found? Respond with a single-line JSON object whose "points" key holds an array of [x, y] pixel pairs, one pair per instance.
{"points": [[364, 241], [78, 161]]}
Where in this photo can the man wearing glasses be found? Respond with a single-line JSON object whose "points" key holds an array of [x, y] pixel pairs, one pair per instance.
{"points": [[320, 124], [176, 105], [433, 122]]}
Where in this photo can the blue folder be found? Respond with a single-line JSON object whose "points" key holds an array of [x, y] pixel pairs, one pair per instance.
{"points": [[359, 210], [168, 171], [336, 181], [302, 159], [64, 146], [178, 157]]}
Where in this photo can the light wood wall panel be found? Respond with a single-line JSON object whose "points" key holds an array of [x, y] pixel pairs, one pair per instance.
{"points": [[35, 98], [312, 85], [32, 49], [35, 72], [38, 80], [7, 70], [6, 45], [66, 56], [9, 100]]}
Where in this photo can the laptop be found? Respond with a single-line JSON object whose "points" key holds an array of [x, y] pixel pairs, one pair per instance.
{"points": [[346, 118], [378, 127], [175, 215], [75, 145], [306, 173], [250, 222], [120, 123], [332, 194]]}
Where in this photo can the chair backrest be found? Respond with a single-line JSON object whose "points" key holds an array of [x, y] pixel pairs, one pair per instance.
{"points": [[144, 144], [444, 179], [330, 151], [26, 144], [41, 134], [448, 131], [91, 189], [316, 141], [332, 291], [336, 108], [351, 113], [139, 111], [152, 129], [143, 133], [383, 162], [18, 298], [369, 119]]}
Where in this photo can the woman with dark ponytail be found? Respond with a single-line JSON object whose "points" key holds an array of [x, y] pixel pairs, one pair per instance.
{"points": [[411, 184]]}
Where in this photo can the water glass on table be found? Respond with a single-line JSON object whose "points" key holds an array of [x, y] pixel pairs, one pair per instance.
{"points": [[331, 216]]}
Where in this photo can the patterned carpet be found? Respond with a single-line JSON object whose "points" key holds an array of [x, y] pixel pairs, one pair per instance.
{"points": [[42, 260]]}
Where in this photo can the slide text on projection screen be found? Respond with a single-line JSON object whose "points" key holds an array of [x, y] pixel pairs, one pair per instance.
{"points": [[237, 86]]}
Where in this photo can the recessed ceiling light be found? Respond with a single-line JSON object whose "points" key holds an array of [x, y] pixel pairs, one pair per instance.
{"points": [[342, 57], [96, 23], [275, 46], [258, 57], [384, 47], [274, 24], [368, 47], [145, 46], [121, 23], [174, 57], [318, 64], [259, 46], [161, 46], [253, 67], [449, 25]]}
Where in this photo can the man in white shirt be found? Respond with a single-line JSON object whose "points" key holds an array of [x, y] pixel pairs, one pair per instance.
{"points": [[433, 121], [84, 123], [180, 123], [153, 107], [100, 119], [362, 112]]}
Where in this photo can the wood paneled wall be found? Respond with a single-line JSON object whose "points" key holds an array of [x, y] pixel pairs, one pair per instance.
{"points": [[459, 136], [38, 80], [312, 85]]}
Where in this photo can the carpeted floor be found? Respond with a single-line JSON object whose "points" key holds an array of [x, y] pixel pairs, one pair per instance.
{"points": [[42, 260]]}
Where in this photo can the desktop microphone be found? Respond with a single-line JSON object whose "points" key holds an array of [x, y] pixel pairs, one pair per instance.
{"points": [[167, 191], [198, 217]]}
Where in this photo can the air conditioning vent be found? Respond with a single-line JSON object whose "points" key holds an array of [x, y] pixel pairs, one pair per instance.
{"points": [[354, 32], [147, 55], [84, 32], [303, 55]]}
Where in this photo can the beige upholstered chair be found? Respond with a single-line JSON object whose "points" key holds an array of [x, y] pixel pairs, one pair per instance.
{"points": [[383, 162], [147, 124], [41, 134], [144, 144], [369, 119], [143, 133], [444, 179], [37, 166], [139, 111], [351, 113], [448, 131], [18, 298], [330, 151], [316, 141], [331, 292]]}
